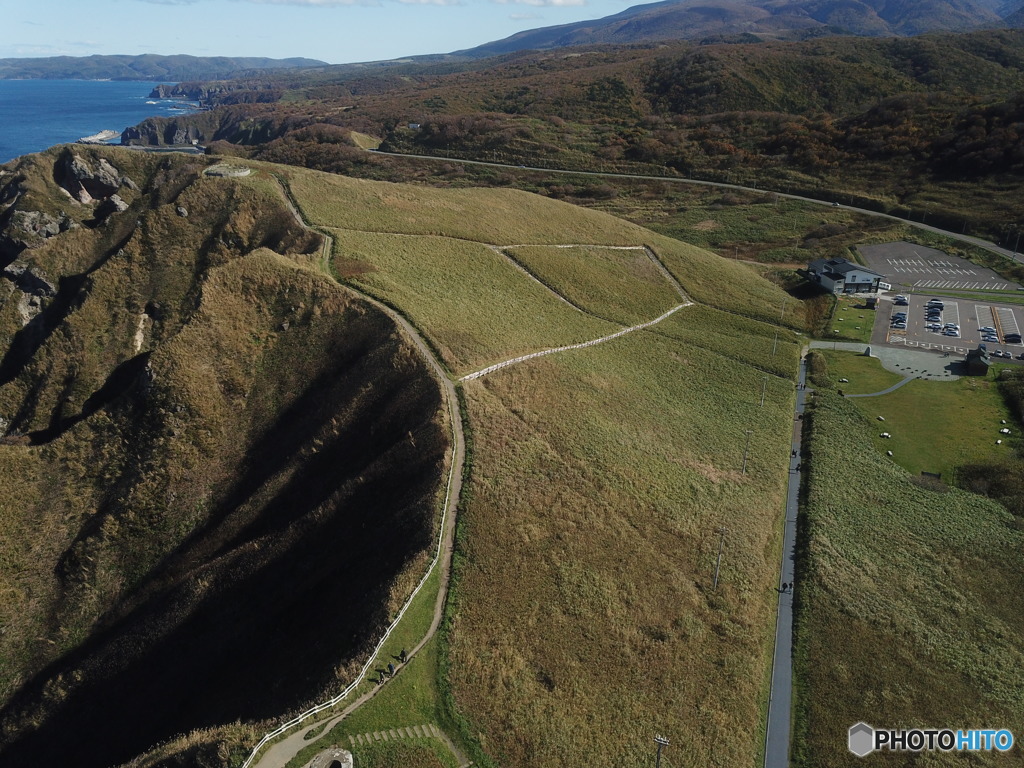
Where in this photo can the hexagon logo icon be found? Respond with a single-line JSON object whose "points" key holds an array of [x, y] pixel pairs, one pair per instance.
{"points": [[862, 739]]}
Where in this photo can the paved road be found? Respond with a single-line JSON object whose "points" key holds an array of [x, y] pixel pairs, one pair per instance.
{"points": [[776, 750], [977, 241]]}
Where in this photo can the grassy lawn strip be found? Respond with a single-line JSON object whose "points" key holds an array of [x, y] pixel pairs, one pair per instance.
{"points": [[421, 753], [621, 285], [411, 698], [981, 297], [865, 374], [908, 611], [475, 306], [935, 425], [851, 321]]}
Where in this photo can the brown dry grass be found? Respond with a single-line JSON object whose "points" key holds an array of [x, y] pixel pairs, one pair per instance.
{"points": [[586, 618], [195, 512]]}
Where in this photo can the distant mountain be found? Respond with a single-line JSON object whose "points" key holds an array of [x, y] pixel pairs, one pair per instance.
{"points": [[145, 67], [786, 19]]}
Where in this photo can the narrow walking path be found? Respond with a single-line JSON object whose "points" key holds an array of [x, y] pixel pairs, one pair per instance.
{"points": [[895, 386], [581, 345], [780, 700], [278, 754]]}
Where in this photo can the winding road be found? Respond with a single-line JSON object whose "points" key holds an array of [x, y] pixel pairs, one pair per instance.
{"points": [[970, 240]]}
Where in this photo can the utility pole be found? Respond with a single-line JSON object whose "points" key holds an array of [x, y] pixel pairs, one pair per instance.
{"points": [[775, 344], [661, 741], [783, 314], [764, 388], [718, 563], [745, 449]]}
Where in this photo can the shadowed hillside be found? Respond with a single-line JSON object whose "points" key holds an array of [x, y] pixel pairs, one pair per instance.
{"points": [[218, 470]]}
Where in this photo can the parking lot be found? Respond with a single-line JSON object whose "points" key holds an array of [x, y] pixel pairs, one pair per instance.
{"points": [[914, 267], [955, 328]]}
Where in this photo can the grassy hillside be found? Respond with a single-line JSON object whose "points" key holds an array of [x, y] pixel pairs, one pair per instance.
{"points": [[583, 615], [217, 465], [908, 612], [586, 619], [475, 322]]}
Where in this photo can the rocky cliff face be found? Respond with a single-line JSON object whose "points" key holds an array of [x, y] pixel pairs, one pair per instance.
{"points": [[215, 462], [90, 186]]}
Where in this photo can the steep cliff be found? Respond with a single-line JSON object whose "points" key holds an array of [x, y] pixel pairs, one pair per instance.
{"points": [[215, 462]]}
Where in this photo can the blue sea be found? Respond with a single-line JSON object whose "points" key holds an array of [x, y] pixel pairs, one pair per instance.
{"points": [[36, 114]]}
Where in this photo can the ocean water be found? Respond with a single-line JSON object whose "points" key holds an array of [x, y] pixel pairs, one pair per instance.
{"points": [[36, 114]]}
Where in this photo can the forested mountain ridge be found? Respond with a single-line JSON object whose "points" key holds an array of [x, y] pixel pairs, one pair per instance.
{"points": [[892, 123], [768, 19], [147, 66]]}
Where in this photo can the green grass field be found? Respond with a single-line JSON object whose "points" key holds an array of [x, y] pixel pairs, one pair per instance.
{"points": [[908, 602], [851, 321], [935, 425], [624, 286], [865, 374], [474, 305]]}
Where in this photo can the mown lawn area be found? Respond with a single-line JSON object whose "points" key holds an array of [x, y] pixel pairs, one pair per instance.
{"points": [[935, 426], [865, 374], [852, 321], [411, 698], [908, 602]]}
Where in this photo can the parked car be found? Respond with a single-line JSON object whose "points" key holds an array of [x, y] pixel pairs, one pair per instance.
{"points": [[1012, 338]]}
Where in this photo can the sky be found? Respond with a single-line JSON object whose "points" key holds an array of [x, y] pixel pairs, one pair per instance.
{"points": [[335, 31]]}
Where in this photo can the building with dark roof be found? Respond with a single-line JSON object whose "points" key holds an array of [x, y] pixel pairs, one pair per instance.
{"points": [[978, 361], [842, 276]]}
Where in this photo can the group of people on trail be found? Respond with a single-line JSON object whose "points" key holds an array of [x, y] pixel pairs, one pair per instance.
{"points": [[392, 670]]}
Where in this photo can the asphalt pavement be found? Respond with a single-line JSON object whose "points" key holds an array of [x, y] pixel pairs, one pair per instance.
{"points": [[780, 701]]}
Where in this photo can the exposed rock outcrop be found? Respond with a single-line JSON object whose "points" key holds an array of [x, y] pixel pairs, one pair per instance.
{"points": [[113, 204], [32, 290], [27, 229], [85, 183]]}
